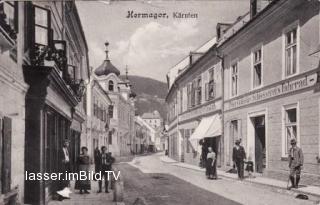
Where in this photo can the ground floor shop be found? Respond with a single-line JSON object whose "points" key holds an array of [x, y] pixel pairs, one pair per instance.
{"points": [[266, 126], [193, 132], [49, 107]]}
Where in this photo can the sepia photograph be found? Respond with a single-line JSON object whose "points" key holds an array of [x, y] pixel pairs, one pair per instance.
{"points": [[160, 102]]}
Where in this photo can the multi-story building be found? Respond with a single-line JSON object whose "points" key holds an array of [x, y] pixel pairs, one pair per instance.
{"points": [[195, 108], [98, 103], [142, 137], [13, 90], [153, 118], [271, 85], [269, 70], [122, 110], [43, 67]]}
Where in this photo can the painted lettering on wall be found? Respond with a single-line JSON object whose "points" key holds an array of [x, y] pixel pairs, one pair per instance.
{"points": [[199, 111], [281, 89]]}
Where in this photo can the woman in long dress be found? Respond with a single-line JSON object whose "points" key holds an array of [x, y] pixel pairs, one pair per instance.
{"points": [[211, 164], [83, 163]]}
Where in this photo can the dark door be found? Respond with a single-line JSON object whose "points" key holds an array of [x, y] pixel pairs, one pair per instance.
{"points": [[6, 155], [260, 144]]}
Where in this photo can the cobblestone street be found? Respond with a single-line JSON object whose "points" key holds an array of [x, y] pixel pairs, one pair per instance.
{"points": [[162, 183]]}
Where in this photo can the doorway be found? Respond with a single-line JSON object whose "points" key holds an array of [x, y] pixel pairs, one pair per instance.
{"points": [[259, 143]]}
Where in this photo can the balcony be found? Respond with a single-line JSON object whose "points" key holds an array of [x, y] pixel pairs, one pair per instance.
{"points": [[77, 85], [8, 19]]}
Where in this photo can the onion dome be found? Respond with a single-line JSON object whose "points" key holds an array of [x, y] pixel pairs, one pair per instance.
{"points": [[106, 67]]}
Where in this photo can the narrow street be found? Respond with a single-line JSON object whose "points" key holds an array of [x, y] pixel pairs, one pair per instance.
{"points": [[164, 183], [165, 189]]}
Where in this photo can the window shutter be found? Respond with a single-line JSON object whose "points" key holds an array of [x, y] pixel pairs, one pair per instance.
{"points": [[6, 165], [207, 91]]}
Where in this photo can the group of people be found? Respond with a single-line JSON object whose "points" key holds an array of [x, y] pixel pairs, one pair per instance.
{"points": [[103, 161], [295, 158]]}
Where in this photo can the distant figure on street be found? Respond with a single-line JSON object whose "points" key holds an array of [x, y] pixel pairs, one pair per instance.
{"points": [[249, 167], [211, 169], [96, 158], [105, 161], [83, 164], [238, 157], [65, 160], [295, 163]]}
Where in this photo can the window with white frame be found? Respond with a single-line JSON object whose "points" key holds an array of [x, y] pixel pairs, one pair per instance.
{"points": [[189, 95], [234, 130], [291, 52], [290, 127], [198, 90], [210, 86], [257, 68], [42, 25], [234, 79]]}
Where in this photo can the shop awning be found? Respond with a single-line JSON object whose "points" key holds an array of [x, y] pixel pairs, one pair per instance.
{"points": [[208, 127]]}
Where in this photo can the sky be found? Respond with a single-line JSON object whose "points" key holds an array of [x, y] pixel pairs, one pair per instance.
{"points": [[150, 47]]}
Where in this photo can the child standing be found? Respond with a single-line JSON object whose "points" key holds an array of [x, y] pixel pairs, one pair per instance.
{"points": [[249, 167]]}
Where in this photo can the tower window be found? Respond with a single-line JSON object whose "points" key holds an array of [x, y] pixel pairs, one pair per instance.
{"points": [[111, 85]]}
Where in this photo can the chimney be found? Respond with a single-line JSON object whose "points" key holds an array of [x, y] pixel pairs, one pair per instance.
{"points": [[257, 5], [221, 29]]}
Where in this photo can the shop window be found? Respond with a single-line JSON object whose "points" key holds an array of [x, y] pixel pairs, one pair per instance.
{"points": [[257, 68], [234, 79], [290, 127], [234, 130], [291, 52]]}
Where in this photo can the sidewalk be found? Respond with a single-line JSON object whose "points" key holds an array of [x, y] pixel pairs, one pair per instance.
{"points": [[258, 180], [85, 199]]}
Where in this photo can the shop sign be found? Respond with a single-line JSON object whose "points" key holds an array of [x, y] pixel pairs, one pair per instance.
{"points": [[277, 90], [197, 112]]}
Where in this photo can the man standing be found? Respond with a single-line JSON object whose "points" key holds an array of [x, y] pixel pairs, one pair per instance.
{"points": [[238, 157], [295, 163], [105, 164], [65, 162]]}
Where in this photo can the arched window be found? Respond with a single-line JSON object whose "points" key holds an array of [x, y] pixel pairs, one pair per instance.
{"points": [[111, 85]]}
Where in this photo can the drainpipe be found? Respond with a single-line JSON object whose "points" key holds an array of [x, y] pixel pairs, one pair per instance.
{"points": [[222, 155]]}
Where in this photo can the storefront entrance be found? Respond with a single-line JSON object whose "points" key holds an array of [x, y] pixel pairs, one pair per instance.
{"points": [[256, 145], [260, 144], [213, 142]]}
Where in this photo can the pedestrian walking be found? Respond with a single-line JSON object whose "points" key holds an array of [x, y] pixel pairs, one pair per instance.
{"points": [[105, 161], [295, 163], [83, 164], [238, 156], [211, 169]]}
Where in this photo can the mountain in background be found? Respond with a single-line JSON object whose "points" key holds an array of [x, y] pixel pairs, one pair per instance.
{"points": [[150, 95]]}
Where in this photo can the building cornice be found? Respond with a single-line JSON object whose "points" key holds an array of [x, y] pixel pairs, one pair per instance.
{"points": [[274, 10]]}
